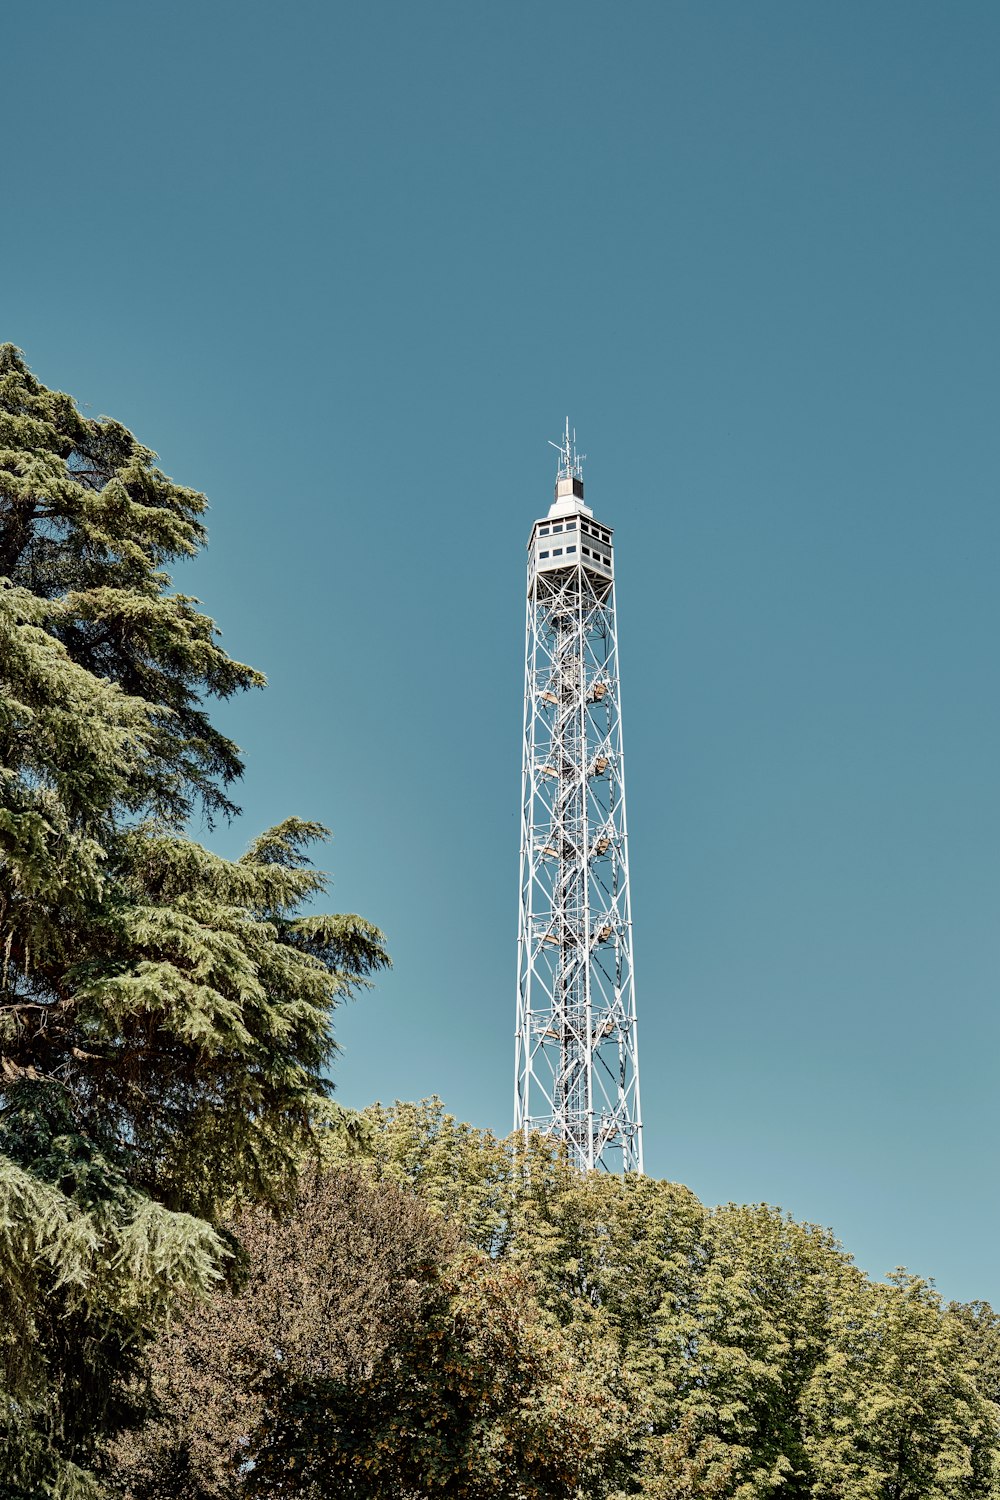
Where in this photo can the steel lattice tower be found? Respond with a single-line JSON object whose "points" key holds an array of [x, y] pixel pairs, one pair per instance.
{"points": [[576, 1055]]}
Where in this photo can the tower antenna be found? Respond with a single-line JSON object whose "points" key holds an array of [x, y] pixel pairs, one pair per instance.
{"points": [[570, 462]]}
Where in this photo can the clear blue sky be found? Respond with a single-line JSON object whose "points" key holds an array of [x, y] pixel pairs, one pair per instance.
{"points": [[347, 267]]}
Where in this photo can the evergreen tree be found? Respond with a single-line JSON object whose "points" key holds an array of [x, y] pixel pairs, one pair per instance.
{"points": [[165, 1015]]}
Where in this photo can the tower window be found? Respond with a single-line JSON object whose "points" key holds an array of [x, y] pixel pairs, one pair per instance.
{"points": [[543, 554], [557, 552], [570, 549]]}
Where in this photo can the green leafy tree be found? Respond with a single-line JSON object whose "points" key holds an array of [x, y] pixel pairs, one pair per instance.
{"points": [[617, 1262], [683, 1464], [756, 1358], [165, 1015], [767, 1293], [470, 1176], [980, 1327], [892, 1410]]}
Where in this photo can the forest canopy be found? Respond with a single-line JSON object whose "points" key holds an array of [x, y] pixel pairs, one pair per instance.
{"points": [[451, 1314]]}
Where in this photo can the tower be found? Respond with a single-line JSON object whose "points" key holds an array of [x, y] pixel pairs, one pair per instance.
{"points": [[576, 1057]]}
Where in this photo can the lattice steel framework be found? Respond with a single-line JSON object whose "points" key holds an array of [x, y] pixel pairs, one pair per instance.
{"points": [[577, 1062]]}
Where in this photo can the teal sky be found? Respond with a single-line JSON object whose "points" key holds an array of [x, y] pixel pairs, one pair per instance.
{"points": [[347, 267]]}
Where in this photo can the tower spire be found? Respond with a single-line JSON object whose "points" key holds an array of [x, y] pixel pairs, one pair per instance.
{"points": [[570, 462]]}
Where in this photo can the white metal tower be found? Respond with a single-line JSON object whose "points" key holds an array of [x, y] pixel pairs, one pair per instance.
{"points": [[576, 1055]]}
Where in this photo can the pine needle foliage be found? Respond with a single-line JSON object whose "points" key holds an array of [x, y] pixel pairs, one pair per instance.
{"points": [[165, 1014]]}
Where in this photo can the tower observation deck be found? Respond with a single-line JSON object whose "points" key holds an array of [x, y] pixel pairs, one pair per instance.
{"points": [[576, 1055]]}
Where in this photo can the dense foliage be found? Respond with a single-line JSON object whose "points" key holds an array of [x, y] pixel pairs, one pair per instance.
{"points": [[448, 1314], [371, 1353], [164, 1013]]}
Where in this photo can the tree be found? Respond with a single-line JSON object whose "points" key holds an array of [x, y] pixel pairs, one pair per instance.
{"points": [[617, 1262], [165, 1015], [370, 1354], [756, 1358], [892, 1410], [470, 1176], [683, 1464], [980, 1327]]}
